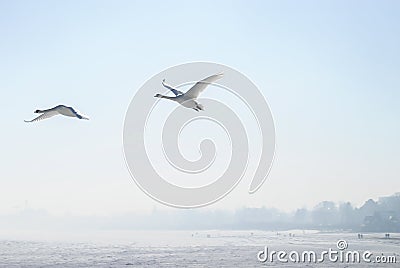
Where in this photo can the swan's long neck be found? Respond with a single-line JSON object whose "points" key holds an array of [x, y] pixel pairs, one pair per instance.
{"points": [[44, 111], [166, 97]]}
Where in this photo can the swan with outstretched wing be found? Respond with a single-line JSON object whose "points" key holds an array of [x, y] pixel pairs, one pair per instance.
{"points": [[189, 98], [57, 110]]}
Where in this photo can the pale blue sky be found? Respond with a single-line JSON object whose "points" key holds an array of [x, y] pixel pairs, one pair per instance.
{"points": [[329, 70]]}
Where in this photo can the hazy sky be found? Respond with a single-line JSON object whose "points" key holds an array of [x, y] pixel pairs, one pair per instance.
{"points": [[329, 70]]}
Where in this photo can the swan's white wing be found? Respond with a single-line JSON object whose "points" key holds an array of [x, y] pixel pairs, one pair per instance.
{"points": [[174, 90], [43, 116], [77, 113], [194, 91], [72, 110], [80, 115]]}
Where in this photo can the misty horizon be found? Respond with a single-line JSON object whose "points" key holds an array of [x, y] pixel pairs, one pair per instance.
{"points": [[326, 215]]}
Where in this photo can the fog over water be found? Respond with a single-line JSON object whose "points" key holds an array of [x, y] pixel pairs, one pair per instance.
{"points": [[381, 215]]}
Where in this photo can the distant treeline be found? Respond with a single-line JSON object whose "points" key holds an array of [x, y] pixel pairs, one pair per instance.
{"points": [[373, 216]]}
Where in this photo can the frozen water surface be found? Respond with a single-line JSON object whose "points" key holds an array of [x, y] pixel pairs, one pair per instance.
{"points": [[181, 248]]}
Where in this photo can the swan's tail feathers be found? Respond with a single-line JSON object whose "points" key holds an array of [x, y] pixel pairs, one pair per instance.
{"points": [[83, 117], [220, 74]]}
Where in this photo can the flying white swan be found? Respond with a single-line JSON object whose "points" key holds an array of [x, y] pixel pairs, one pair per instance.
{"points": [[59, 109], [188, 99]]}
